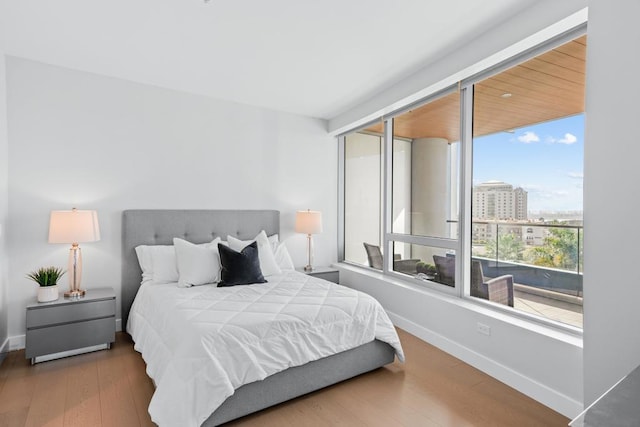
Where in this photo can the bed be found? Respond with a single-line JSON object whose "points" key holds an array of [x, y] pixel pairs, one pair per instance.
{"points": [[159, 227]]}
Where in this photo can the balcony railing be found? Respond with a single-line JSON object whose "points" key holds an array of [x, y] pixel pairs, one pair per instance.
{"points": [[539, 255]]}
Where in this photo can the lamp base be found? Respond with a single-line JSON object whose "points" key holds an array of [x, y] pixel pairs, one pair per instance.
{"points": [[308, 268], [76, 293], [75, 272]]}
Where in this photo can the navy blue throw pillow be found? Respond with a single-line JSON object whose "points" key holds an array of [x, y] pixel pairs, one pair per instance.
{"points": [[240, 268]]}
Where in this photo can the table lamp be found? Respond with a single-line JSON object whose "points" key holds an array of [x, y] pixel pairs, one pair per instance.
{"points": [[309, 222], [74, 227]]}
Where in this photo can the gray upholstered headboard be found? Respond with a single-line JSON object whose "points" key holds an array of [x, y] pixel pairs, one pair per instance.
{"points": [[159, 227]]}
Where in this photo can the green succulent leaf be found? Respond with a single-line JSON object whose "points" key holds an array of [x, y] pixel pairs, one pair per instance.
{"points": [[46, 276]]}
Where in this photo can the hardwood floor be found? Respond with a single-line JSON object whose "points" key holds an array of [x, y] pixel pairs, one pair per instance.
{"points": [[104, 388], [110, 388]]}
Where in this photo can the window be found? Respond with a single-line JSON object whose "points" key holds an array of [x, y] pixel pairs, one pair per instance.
{"points": [[533, 110], [424, 192], [424, 189], [479, 187], [362, 189]]}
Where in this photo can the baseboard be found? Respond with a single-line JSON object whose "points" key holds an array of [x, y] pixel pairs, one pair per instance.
{"points": [[535, 390], [4, 350], [17, 342]]}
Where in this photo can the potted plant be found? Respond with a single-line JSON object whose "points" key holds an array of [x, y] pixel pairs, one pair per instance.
{"points": [[47, 278], [425, 268]]}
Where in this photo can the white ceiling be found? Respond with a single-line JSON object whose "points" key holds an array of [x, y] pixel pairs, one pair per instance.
{"points": [[315, 58]]}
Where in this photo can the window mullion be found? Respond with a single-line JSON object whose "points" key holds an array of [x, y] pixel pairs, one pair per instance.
{"points": [[436, 242], [341, 201], [386, 195], [463, 273]]}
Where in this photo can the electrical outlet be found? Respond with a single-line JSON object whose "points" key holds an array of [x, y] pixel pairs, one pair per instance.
{"points": [[484, 329]]}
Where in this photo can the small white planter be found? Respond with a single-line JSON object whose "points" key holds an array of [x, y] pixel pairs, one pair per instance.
{"points": [[47, 293]]}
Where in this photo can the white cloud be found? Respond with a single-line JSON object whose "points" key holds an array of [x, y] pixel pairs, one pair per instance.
{"points": [[568, 139], [529, 137], [576, 175]]}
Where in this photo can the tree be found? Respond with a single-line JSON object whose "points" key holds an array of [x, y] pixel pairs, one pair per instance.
{"points": [[560, 250], [510, 247]]}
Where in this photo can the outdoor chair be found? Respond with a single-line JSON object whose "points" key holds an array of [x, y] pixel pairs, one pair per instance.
{"points": [[445, 269], [499, 289], [374, 256]]}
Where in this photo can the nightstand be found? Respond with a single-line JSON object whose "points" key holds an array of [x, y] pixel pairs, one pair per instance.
{"points": [[327, 273], [57, 328]]}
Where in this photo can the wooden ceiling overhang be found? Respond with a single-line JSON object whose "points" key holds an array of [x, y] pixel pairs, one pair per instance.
{"points": [[547, 87]]}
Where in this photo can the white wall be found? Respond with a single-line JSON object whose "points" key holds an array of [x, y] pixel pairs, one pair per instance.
{"points": [[611, 284], [94, 142], [535, 361], [430, 194], [430, 190], [401, 190], [4, 200]]}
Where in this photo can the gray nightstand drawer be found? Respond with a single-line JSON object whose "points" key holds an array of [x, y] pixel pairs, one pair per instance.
{"points": [[69, 336], [67, 313]]}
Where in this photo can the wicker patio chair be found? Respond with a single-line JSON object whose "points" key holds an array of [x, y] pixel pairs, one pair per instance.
{"points": [[499, 289], [445, 269], [374, 256]]}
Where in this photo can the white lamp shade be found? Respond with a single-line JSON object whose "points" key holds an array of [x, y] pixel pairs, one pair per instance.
{"points": [[73, 226], [308, 222]]}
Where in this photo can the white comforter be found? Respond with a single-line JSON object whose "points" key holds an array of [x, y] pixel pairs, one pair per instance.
{"points": [[202, 343]]}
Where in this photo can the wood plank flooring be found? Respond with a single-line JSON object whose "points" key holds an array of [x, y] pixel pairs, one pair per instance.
{"points": [[110, 388]]}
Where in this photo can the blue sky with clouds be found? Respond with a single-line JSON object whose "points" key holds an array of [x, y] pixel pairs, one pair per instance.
{"points": [[545, 159]]}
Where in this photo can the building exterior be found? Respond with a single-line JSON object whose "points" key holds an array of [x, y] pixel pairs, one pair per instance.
{"points": [[497, 200]]}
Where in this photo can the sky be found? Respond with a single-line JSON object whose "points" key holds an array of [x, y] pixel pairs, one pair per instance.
{"points": [[545, 159]]}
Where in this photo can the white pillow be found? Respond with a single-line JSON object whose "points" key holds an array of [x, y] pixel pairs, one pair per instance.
{"points": [[158, 263], [197, 264], [274, 240], [283, 259], [144, 260], [268, 263]]}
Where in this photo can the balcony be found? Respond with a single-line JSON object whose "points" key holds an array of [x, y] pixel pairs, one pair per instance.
{"points": [[549, 305], [545, 260]]}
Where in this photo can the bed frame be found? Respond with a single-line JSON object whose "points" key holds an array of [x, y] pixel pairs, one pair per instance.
{"points": [[159, 227]]}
